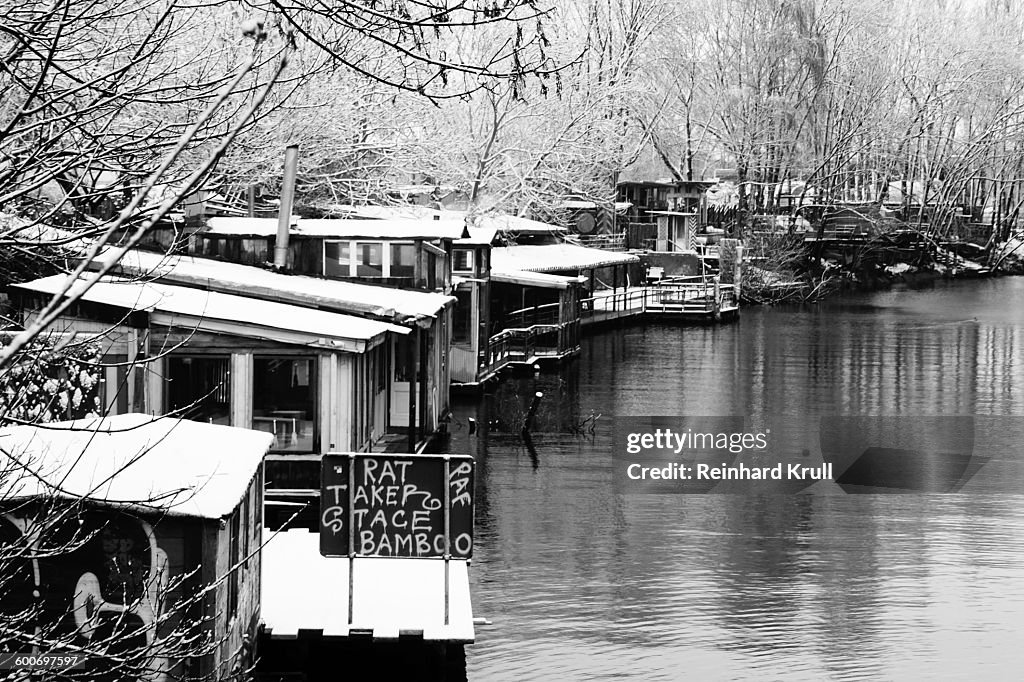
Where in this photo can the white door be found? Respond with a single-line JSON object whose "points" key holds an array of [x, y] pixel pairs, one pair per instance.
{"points": [[401, 373]]}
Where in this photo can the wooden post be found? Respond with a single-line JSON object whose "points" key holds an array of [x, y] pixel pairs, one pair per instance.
{"points": [[528, 422], [413, 361], [718, 298]]}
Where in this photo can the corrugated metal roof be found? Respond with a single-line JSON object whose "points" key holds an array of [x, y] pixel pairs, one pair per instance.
{"points": [[387, 303], [196, 308], [554, 258], [135, 461]]}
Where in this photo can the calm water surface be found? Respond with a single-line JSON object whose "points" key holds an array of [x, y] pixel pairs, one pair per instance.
{"points": [[584, 583]]}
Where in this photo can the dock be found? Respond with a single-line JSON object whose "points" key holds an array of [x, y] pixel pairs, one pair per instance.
{"points": [[540, 335], [684, 299]]}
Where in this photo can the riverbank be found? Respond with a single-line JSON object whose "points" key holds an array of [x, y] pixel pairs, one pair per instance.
{"points": [[823, 278]]}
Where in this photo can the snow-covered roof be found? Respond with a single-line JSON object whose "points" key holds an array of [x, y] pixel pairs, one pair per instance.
{"points": [[535, 279], [584, 204], [389, 595], [217, 312], [386, 303], [498, 222], [173, 466], [337, 228], [554, 257]]}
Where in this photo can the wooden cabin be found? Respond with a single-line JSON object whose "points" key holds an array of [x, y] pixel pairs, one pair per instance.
{"points": [[471, 278], [315, 379], [408, 253], [538, 293], [143, 530], [414, 364], [664, 216]]}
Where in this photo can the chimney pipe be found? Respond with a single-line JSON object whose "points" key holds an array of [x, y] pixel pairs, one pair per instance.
{"points": [[284, 216]]}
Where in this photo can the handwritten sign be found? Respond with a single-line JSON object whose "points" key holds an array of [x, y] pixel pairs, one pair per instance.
{"points": [[417, 506]]}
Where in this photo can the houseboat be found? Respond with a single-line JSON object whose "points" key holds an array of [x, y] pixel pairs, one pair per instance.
{"points": [[134, 541], [314, 379]]}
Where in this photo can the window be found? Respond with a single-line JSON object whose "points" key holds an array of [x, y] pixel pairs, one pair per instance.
{"points": [[114, 386], [337, 259], [381, 356], [403, 260], [404, 369], [463, 260], [462, 329], [199, 388], [369, 259], [431, 282], [284, 401], [349, 258], [234, 567]]}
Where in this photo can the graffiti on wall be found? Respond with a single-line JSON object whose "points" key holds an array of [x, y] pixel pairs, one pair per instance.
{"points": [[107, 589]]}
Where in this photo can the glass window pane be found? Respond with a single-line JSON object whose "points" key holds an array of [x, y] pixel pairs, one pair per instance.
{"points": [[463, 260], [462, 328], [403, 260], [337, 256], [369, 259], [284, 402], [199, 388]]}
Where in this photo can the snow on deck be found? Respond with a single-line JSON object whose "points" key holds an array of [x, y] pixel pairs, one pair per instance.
{"points": [[302, 590], [173, 466]]}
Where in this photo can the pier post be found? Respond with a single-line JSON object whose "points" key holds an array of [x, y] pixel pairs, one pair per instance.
{"points": [[717, 297], [528, 423]]}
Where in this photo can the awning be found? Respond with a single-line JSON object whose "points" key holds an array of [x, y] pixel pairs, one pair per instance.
{"points": [[357, 298], [535, 279], [555, 258], [304, 591], [217, 312]]}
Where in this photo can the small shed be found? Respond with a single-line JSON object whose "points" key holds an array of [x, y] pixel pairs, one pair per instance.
{"points": [[143, 530]]}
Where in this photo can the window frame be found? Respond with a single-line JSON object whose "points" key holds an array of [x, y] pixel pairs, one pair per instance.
{"points": [[352, 245], [470, 258], [314, 382], [202, 356]]}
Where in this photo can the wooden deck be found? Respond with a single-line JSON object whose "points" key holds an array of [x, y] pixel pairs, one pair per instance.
{"points": [[543, 338], [684, 300]]}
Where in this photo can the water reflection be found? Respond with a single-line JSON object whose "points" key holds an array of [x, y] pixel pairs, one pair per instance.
{"points": [[582, 583]]}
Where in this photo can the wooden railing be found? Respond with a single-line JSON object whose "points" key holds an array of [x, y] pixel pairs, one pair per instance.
{"points": [[615, 241], [525, 345], [543, 335], [535, 315], [699, 297]]}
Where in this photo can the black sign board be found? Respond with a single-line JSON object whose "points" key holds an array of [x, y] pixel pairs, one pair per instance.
{"points": [[418, 506]]}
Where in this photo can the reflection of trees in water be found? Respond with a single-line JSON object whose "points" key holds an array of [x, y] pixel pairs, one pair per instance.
{"points": [[828, 362], [559, 409], [795, 571]]}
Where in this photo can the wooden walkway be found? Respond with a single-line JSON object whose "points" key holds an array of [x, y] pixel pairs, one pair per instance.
{"points": [[697, 301], [542, 337]]}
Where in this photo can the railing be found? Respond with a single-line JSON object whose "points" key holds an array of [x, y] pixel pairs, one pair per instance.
{"points": [[680, 295], [529, 317], [530, 343], [668, 296], [609, 242]]}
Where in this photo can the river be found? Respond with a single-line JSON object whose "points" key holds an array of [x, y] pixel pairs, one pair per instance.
{"points": [[582, 582]]}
